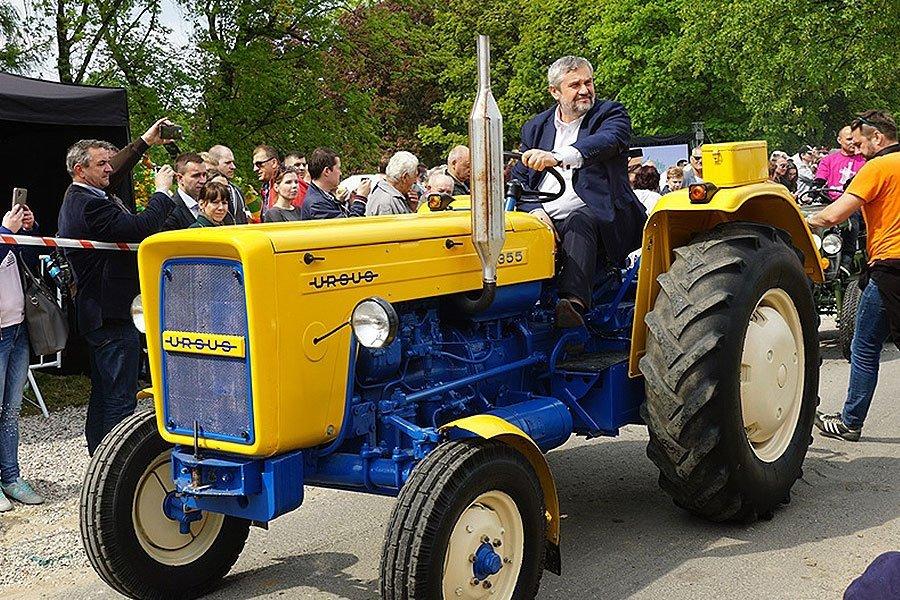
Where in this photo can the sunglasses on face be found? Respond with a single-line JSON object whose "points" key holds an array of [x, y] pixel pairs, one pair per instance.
{"points": [[259, 163], [697, 158]]}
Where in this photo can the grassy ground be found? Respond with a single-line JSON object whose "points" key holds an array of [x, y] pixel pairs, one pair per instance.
{"points": [[59, 391]]}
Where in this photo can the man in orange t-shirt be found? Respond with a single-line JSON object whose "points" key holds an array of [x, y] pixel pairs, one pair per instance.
{"points": [[875, 189]]}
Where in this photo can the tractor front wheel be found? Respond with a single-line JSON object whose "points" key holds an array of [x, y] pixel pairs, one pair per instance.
{"points": [[131, 543], [468, 524], [732, 372]]}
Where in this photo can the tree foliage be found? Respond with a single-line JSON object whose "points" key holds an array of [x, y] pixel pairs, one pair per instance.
{"points": [[365, 76]]}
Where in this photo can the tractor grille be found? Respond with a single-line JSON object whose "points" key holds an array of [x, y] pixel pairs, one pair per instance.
{"points": [[206, 296]]}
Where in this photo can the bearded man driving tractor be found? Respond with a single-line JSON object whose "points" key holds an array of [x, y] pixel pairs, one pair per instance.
{"points": [[598, 220]]}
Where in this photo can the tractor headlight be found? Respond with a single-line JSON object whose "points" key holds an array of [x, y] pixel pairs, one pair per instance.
{"points": [[137, 314], [817, 241], [374, 322], [832, 243]]}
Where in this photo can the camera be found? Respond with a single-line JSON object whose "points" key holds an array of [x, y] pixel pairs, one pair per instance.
{"points": [[168, 131]]}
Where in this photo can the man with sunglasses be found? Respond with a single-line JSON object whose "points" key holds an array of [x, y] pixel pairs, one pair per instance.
{"points": [[836, 169], [693, 173], [876, 190]]}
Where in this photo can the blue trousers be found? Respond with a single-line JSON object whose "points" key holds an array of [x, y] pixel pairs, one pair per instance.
{"points": [[115, 352], [872, 330], [13, 374]]}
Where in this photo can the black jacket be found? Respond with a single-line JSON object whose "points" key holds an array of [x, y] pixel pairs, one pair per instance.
{"points": [[602, 181], [181, 216], [107, 280]]}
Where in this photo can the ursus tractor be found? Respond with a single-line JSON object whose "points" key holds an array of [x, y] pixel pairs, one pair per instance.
{"points": [[416, 356]]}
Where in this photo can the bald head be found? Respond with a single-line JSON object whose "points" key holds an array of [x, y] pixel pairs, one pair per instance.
{"points": [[459, 164], [223, 158]]}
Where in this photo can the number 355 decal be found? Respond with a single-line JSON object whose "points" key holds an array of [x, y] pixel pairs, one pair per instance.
{"points": [[513, 257]]}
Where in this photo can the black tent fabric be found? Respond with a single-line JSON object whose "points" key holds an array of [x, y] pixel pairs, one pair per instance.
{"points": [[39, 120], [28, 100]]}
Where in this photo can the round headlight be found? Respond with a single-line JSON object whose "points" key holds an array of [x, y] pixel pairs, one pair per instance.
{"points": [[832, 243], [374, 322], [817, 241], [137, 314]]}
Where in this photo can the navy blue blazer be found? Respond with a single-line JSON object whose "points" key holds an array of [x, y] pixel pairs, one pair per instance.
{"points": [[107, 280], [602, 181], [319, 205]]}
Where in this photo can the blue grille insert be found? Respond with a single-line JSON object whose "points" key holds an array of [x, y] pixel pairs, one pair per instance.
{"points": [[206, 295]]}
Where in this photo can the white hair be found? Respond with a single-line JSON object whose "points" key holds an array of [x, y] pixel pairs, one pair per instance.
{"points": [[402, 163], [564, 65], [457, 153], [439, 176]]}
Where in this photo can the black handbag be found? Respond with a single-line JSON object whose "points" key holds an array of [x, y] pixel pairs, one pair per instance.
{"points": [[48, 328]]}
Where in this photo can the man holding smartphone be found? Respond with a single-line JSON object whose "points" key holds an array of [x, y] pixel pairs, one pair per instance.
{"points": [[107, 281]]}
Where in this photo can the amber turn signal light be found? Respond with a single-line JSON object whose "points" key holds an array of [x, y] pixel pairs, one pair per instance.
{"points": [[701, 193]]}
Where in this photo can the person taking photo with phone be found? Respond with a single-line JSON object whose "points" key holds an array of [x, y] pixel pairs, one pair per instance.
{"points": [[14, 355]]}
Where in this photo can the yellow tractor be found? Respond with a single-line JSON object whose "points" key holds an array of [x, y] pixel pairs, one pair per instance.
{"points": [[416, 356]]}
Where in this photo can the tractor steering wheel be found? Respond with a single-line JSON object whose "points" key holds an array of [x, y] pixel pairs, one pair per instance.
{"points": [[516, 189]]}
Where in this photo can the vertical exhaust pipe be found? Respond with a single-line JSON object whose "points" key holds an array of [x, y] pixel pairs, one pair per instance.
{"points": [[486, 184]]}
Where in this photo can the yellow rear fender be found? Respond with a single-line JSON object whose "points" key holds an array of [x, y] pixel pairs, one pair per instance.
{"points": [[491, 427], [675, 221]]}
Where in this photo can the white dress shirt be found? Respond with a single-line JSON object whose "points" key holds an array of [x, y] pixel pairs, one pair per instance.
{"points": [[570, 158], [190, 203]]}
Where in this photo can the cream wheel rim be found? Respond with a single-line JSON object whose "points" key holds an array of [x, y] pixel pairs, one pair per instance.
{"points": [[490, 524], [772, 375], [159, 535]]}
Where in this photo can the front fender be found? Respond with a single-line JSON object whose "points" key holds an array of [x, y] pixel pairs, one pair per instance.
{"points": [[675, 221], [491, 427]]}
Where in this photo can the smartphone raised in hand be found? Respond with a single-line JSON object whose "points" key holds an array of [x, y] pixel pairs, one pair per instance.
{"points": [[19, 196]]}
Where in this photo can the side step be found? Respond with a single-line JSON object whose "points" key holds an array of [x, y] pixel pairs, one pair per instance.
{"points": [[593, 363]]}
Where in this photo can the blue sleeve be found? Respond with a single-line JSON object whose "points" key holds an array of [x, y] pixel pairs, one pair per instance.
{"points": [[521, 172], [108, 223], [357, 208], [611, 137], [320, 210]]}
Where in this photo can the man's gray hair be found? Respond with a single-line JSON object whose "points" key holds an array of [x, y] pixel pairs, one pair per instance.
{"points": [[79, 153], [456, 153], [402, 163], [564, 65], [217, 153]]}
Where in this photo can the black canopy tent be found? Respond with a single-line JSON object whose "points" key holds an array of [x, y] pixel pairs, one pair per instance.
{"points": [[39, 120]]}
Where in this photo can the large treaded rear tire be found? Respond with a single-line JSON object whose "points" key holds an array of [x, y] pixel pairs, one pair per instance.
{"points": [[847, 317], [693, 370], [441, 487], [107, 521]]}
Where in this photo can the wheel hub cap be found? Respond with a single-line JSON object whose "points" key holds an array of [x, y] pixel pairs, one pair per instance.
{"points": [[485, 551], [772, 374]]}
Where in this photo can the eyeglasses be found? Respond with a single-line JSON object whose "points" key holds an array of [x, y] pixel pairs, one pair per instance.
{"points": [[259, 163], [697, 158]]}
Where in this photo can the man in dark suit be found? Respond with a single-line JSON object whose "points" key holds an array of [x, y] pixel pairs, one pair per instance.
{"points": [[598, 219], [107, 281], [320, 201], [190, 171]]}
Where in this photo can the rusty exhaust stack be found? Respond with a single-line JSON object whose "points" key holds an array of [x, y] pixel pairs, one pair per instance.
{"points": [[486, 148]]}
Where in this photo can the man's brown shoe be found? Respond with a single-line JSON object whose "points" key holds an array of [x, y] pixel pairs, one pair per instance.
{"points": [[567, 316]]}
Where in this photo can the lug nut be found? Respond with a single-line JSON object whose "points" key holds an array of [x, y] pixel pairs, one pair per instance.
{"points": [[486, 585], [459, 591], [469, 529], [471, 558], [474, 581], [485, 539], [497, 543], [507, 560]]}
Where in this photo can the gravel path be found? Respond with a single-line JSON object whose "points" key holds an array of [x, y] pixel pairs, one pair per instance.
{"points": [[41, 542]]}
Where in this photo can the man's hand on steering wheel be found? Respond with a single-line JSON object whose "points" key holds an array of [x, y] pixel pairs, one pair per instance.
{"points": [[538, 159]]}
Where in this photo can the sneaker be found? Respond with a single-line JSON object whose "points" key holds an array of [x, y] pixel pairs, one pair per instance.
{"points": [[5, 504], [20, 490], [831, 425]]}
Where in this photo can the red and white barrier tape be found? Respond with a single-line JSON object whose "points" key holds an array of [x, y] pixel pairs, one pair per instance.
{"points": [[50, 242]]}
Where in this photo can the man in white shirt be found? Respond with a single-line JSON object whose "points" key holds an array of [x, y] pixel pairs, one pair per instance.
{"points": [[598, 219], [190, 174]]}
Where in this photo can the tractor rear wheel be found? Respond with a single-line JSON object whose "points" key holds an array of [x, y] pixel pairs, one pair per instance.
{"points": [[732, 372], [469, 524], [131, 543], [847, 317]]}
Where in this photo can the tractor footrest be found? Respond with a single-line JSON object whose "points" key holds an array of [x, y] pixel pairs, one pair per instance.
{"points": [[594, 362]]}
